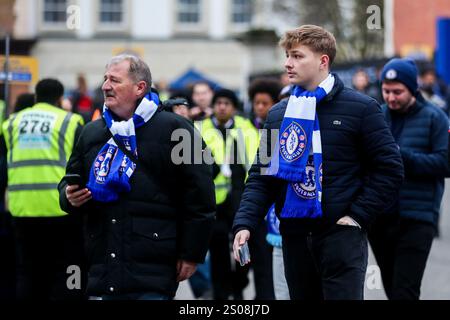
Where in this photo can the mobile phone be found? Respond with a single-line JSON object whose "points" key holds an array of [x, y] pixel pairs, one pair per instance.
{"points": [[72, 179], [244, 254]]}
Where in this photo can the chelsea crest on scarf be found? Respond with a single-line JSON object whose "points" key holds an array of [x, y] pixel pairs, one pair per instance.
{"points": [[112, 169], [298, 153]]}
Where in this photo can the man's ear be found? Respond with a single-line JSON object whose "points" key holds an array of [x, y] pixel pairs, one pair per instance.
{"points": [[325, 62], [141, 87]]}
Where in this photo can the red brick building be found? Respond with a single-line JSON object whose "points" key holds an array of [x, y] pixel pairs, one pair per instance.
{"points": [[414, 25], [7, 15]]}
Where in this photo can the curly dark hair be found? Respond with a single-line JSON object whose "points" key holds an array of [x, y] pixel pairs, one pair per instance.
{"points": [[265, 85]]}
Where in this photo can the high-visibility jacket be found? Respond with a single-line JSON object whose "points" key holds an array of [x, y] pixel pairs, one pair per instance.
{"points": [[39, 142], [247, 140], [2, 110]]}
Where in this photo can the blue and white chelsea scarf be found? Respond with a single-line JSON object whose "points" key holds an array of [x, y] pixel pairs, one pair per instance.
{"points": [[112, 169], [299, 150]]}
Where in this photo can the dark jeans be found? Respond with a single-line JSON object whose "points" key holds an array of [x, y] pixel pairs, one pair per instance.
{"points": [[261, 257], [326, 265], [401, 248], [200, 281], [45, 248]]}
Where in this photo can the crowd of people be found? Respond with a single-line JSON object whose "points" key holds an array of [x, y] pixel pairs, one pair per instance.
{"points": [[308, 178]]}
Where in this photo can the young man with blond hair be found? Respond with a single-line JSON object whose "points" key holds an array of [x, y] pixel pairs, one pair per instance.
{"points": [[333, 166]]}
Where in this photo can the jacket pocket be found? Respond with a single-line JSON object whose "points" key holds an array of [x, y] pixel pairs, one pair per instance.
{"points": [[153, 240]]}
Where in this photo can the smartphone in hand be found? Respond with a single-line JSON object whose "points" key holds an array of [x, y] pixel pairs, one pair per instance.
{"points": [[244, 254], [72, 179]]}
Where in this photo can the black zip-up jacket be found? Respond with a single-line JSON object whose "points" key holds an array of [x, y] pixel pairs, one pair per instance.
{"points": [[362, 167], [423, 141], [133, 244]]}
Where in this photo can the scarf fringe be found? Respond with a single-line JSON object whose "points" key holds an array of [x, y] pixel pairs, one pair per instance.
{"points": [[274, 240], [306, 212], [289, 175]]}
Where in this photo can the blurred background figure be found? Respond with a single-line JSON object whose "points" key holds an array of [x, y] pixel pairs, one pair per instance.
{"points": [[7, 248], [66, 105], [97, 103], [202, 95], [432, 89], [25, 100], [162, 87], [178, 105], [2, 108], [81, 100], [274, 238], [361, 83], [263, 94], [200, 281], [233, 141]]}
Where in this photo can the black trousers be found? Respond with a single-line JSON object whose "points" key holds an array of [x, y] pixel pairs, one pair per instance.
{"points": [[45, 248], [261, 257], [401, 248], [326, 265], [227, 276]]}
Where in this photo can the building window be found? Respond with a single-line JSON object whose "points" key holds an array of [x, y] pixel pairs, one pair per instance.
{"points": [[55, 11], [242, 11], [111, 11], [189, 11]]}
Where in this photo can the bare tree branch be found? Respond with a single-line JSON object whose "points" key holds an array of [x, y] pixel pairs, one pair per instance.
{"points": [[346, 19]]}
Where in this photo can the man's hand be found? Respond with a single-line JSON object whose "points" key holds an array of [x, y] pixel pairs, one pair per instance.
{"points": [[194, 112], [348, 221], [239, 240], [77, 197], [185, 269]]}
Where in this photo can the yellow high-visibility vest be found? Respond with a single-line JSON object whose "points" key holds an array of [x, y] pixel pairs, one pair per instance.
{"points": [[2, 111], [247, 138], [39, 141]]}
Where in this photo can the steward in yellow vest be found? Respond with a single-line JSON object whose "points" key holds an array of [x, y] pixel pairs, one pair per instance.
{"points": [[38, 143], [239, 139], [233, 141]]}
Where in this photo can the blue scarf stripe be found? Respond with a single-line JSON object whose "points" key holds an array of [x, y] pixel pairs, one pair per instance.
{"points": [[112, 169], [299, 151], [138, 121], [142, 116]]}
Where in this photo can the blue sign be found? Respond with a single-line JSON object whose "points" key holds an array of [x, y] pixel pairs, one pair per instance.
{"points": [[16, 76]]}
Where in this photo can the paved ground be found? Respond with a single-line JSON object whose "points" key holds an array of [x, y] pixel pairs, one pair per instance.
{"points": [[436, 281]]}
